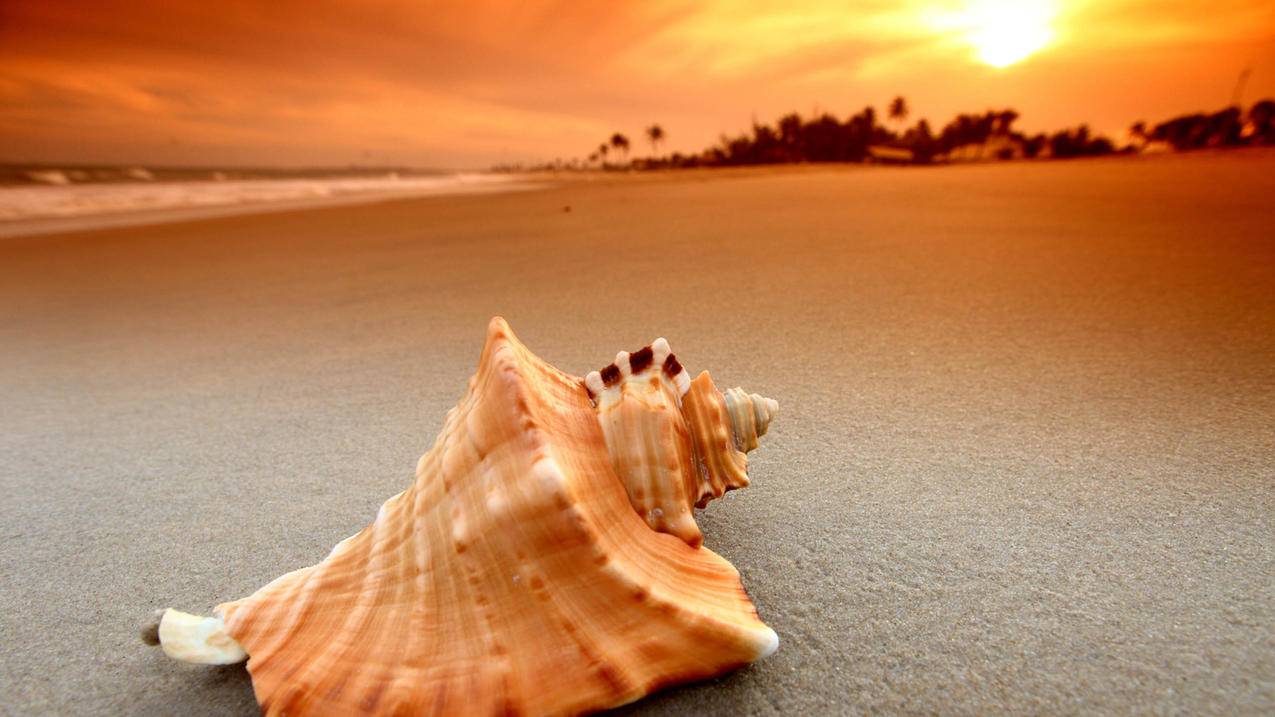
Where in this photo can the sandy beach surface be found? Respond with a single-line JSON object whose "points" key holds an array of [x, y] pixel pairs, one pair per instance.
{"points": [[1026, 460]]}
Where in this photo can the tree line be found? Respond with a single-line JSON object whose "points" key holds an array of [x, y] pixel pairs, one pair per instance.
{"points": [[1230, 127], [863, 137]]}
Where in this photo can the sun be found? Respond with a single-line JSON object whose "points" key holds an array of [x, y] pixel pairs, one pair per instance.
{"points": [[1003, 32]]}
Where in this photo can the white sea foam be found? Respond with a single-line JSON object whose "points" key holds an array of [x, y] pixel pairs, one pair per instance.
{"points": [[68, 200]]}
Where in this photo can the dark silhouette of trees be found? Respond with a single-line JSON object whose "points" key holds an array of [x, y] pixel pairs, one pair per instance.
{"points": [[899, 109], [821, 139], [991, 134], [790, 136], [825, 138], [1006, 120], [1229, 127], [1078, 143], [655, 134], [620, 143], [920, 139], [1138, 131], [1260, 127], [1034, 145], [1197, 131], [973, 129]]}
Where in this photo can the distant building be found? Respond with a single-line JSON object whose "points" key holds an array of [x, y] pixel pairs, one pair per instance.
{"points": [[998, 146], [48, 176], [881, 154]]}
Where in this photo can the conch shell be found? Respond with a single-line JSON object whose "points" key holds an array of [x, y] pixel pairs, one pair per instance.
{"points": [[514, 575]]}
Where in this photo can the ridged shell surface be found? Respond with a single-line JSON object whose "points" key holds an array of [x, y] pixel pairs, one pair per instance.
{"points": [[723, 466], [676, 444], [512, 576], [648, 438]]}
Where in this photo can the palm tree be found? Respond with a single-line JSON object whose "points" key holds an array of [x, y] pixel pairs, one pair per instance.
{"points": [[602, 153], [899, 109], [655, 134], [1138, 132], [620, 143], [1004, 120]]}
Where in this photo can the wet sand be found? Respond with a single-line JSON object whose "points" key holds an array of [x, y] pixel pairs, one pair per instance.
{"points": [[1026, 460]]}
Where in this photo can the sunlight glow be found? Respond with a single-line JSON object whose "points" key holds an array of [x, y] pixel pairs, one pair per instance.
{"points": [[1003, 32]]}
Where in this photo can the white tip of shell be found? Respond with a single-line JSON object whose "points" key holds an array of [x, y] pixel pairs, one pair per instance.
{"points": [[660, 350], [622, 363], [770, 643], [767, 410], [683, 382], [202, 640], [593, 382]]}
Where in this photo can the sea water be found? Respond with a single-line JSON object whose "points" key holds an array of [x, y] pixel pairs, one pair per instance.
{"points": [[57, 196]]}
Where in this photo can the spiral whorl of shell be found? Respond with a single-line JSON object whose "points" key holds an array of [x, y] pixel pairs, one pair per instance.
{"points": [[750, 415], [512, 576], [675, 443]]}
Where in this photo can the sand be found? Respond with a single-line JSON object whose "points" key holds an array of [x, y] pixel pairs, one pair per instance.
{"points": [[1026, 460]]}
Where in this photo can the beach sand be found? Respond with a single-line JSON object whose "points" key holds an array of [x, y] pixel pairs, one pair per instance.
{"points": [[1025, 461]]}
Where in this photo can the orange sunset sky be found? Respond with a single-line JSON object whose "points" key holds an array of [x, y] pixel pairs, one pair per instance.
{"points": [[467, 84]]}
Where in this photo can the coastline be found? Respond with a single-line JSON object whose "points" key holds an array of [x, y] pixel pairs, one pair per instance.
{"points": [[144, 217]]}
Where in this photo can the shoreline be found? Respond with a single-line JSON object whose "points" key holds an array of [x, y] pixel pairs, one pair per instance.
{"points": [[41, 226]]}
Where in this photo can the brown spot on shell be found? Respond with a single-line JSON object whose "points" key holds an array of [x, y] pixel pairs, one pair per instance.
{"points": [[640, 360], [671, 367], [610, 375]]}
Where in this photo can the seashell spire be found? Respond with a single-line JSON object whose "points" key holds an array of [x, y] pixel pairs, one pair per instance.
{"points": [[513, 575], [750, 416]]}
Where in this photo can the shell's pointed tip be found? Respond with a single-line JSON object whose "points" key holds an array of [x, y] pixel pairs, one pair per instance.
{"points": [[769, 643], [593, 382], [768, 410], [497, 326], [750, 416], [198, 639], [660, 350]]}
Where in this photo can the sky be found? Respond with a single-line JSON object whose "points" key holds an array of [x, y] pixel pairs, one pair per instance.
{"points": [[471, 83]]}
